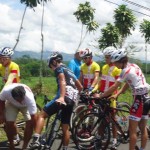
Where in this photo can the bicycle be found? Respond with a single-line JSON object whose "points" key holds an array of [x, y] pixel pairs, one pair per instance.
{"points": [[51, 134], [99, 129], [89, 107]]}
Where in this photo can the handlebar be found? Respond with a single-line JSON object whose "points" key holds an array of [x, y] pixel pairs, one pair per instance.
{"points": [[88, 98]]}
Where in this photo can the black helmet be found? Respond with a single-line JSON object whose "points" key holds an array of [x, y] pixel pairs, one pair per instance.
{"points": [[54, 56]]}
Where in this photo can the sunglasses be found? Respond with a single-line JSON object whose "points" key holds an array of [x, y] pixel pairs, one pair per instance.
{"points": [[86, 57]]}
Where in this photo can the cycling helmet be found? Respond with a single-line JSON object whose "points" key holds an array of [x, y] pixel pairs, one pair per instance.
{"points": [[54, 56], [109, 50], [85, 52], [117, 55], [6, 52]]}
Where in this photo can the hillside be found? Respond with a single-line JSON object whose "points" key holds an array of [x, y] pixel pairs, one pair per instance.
{"points": [[66, 57]]}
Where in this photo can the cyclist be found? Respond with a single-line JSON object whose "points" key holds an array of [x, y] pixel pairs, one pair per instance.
{"points": [[9, 70], [65, 98], [16, 98], [75, 64], [90, 70], [134, 78], [109, 74], [10, 73]]}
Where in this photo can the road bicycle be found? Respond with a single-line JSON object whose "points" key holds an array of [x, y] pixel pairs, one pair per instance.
{"points": [[88, 107], [87, 133], [51, 138]]}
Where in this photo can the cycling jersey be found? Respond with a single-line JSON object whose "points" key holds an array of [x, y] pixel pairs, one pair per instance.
{"points": [[6, 71], [70, 96], [133, 75], [70, 78], [74, 65], [109, 75], [88, 72]]}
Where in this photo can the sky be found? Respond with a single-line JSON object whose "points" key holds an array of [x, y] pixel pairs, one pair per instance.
{"points": [[60, 27]]}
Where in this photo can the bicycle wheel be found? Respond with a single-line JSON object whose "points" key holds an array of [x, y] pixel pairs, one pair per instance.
{"points": [[122, 116], [52, 138], [81, 114], [75, 112], [88, 128]]}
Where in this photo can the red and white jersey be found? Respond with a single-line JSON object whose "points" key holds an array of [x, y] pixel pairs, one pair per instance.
{"points": [[133, 75]]}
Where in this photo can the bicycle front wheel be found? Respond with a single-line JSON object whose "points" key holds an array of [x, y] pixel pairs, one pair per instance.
{"points": [[88, 129]]}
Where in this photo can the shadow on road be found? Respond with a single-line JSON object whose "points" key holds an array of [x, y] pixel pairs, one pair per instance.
{"points": [[4, 146]]}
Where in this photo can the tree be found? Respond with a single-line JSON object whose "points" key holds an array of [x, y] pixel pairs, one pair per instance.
{"points": [[32, 3], [85, 14], [110, 36], [145, 30], [124, 21]]}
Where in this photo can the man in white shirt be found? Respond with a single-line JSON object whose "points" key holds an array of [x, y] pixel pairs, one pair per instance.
{"points": [[16, 98]]}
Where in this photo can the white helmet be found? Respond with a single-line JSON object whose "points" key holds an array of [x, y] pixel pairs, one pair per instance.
{"points": [[6, 52], [109, 50], [85, 52], [117, 55]]}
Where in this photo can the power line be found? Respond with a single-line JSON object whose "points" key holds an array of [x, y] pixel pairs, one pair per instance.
{"points": [[130, 9], [137, 4]]}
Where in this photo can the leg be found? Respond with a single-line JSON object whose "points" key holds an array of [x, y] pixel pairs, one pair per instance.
{"points": [[11, 128], [40, 122], [11, 132], [132, 133], [114, 130], [144, 134], [66, 134], [27, 133]]}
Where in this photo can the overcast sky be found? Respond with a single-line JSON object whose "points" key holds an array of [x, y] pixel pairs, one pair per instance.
{"points": [[61, 29]]}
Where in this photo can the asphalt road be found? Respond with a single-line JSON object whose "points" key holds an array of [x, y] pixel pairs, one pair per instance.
{"points": [[3, 146]]}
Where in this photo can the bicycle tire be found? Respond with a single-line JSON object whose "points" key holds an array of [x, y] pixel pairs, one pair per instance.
{"points": [[75, 112], [49, 136], [82, 113], [91, 127], [122, 115]]}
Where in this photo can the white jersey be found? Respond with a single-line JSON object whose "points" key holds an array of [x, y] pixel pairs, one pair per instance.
{"points": [[133, 75], [28, 101]]}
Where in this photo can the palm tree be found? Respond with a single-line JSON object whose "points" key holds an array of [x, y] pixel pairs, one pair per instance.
{"points": [[110, 36], [85, 14], [32, 3], [124, 21], [145, 30]]}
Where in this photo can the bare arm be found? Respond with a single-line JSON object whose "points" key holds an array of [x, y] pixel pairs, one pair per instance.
{"points": [[81, 77], [62, 84], [79, 85], [122, 90], [96, 78], [11, 77], [111, 89]]}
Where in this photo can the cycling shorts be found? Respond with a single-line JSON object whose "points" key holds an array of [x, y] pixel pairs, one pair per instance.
{"points": [[140, 108], [53, 107]]}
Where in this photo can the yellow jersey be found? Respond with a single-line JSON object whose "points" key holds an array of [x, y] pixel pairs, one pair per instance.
{"points": [[109, 75], [88, 72], [6, 71]]}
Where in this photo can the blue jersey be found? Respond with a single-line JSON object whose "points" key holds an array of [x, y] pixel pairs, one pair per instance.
{"points": [[74, 65], [70, 79]]}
